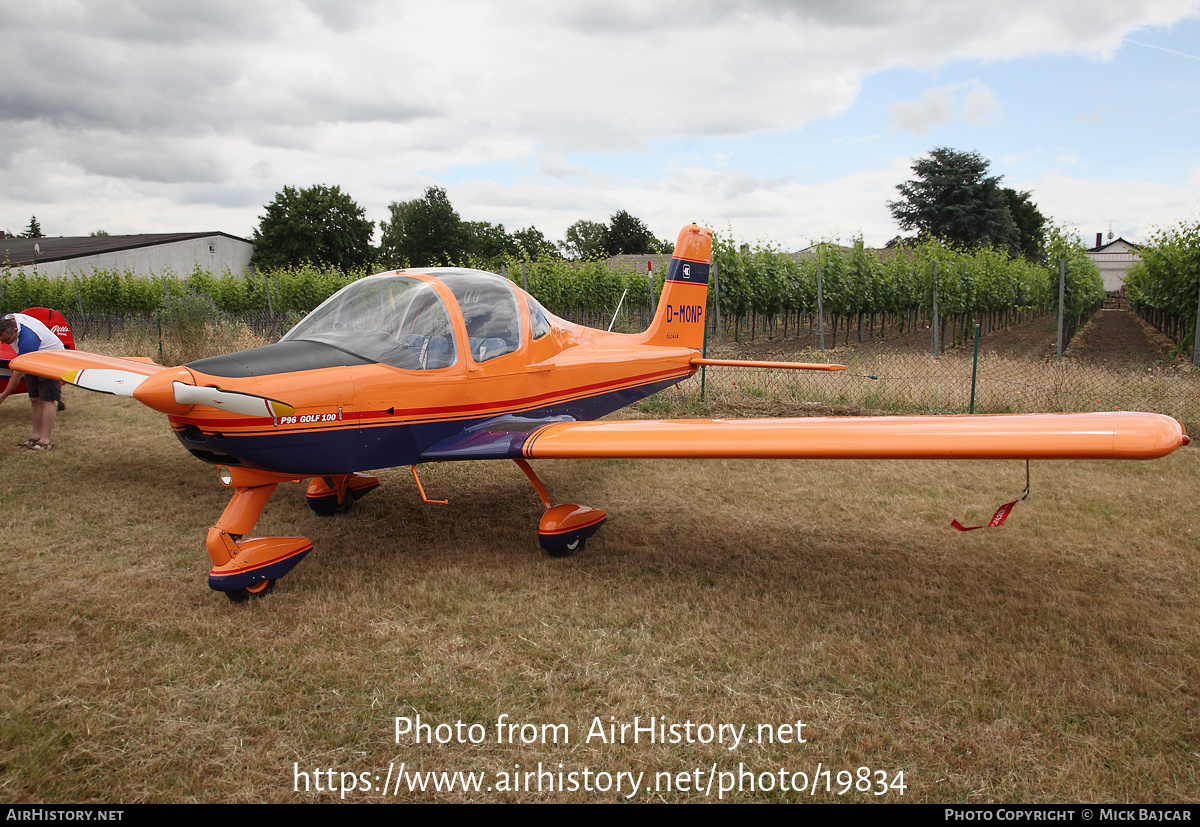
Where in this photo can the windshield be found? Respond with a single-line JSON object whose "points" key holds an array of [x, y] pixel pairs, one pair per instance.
{"points": [[397, 320]]}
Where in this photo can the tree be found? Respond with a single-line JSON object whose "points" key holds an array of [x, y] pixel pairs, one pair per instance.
{"points": [[624, 233], [535, 246], [424, 231], [954, 199], [98, 233], [584, 240], [488, 244], [1031, 224], [320, 224], [35, 229], [628, 234]]}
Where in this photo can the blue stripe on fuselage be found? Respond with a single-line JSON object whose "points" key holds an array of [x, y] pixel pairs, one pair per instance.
{"points": [[350, 449]]}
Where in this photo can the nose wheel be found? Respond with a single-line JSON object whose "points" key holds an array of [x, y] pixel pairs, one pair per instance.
{"points": [[247, 567], [254, 592]]}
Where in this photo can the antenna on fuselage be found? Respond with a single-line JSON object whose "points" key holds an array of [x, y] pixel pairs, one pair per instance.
{"points": [[618, 310]]}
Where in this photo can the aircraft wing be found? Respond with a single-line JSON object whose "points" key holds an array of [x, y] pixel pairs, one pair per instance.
{"points": [[1115, 435]]}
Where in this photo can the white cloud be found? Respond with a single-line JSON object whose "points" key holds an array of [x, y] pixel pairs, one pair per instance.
{"points": [[972, 102], [981, 108], [1134, 207], [139, 115]]}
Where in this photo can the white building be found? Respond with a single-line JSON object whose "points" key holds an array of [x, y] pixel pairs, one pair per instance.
{"points": [[146, 255], [1114, 260]]}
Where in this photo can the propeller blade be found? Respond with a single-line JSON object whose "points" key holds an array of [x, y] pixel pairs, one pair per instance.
{"points": [[105, 380], [246, 404]]}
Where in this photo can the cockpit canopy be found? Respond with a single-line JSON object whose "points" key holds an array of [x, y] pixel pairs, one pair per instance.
{"points": [[402, 321]]}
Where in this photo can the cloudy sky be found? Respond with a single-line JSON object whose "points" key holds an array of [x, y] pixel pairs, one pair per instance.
{"points": [[781, 120]]}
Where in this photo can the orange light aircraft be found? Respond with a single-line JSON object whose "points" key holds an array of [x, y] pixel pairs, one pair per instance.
{"points": [[436, 365]]}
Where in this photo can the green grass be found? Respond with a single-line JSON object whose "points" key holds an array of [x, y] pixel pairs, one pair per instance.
{"points": [[1052, 659]]}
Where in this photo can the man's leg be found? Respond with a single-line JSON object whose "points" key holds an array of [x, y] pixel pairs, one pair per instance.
{"points": [[38, 415], [49, 414], [45, 409]]}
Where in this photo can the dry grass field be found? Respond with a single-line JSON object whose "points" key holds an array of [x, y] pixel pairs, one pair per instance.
{"points": [[1052, 659]]}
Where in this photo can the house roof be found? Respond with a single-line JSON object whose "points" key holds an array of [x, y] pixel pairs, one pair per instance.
{"points": [[1104, 248], [19, 252], [638, 261]]}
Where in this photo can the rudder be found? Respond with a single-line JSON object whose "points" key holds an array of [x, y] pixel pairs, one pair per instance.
{"points": [[679, 320]]}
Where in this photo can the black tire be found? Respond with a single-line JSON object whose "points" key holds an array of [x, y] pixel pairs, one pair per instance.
{"points": [[340, 508], [261, 589], [570, 549]]}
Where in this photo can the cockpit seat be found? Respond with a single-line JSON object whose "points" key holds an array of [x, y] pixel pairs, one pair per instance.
{"points": [[489, 348], [439, 353]]}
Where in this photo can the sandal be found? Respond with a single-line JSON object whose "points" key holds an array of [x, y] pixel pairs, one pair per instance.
{"points": [[29, 443], [42, 446]]}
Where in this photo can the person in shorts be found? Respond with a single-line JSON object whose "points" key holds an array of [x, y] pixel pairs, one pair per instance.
{"points": [[26, 334]]}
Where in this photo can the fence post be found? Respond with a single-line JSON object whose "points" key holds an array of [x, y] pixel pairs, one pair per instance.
{"points": [[974, 368], [267, 287], [78, 298], [717, 301], [1196, 340], [653, 298], [820, 306], [1062, 287], [935, 312]]}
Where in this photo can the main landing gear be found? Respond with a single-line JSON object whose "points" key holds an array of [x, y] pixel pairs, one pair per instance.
{"points": [[246, 568], [564, 529], [331, 495]]}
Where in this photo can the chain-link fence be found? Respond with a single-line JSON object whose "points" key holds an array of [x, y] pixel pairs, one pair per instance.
{"points": [[892, 378], [175, 336], [890, 382]]}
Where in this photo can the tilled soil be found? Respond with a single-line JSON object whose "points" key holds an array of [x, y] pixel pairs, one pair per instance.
{"points": [[1120, 339], [1113, 338]]}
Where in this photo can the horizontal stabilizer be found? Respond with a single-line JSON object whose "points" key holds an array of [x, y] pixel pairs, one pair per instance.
{"points": [[744, 363], [1117, 435]]}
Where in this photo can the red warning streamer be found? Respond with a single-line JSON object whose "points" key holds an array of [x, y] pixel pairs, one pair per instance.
{"points": [[1002, 512]]}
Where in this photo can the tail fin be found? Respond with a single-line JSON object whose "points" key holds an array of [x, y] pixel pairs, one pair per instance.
{"points": [[679, 321]]}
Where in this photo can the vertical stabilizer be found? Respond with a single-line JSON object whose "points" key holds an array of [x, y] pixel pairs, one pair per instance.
{"points": [[679, 321]]}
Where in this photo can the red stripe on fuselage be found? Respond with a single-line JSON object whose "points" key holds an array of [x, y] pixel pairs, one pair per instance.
{"points": [[244, 426]]}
